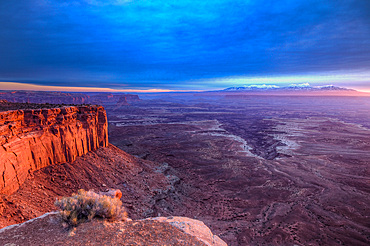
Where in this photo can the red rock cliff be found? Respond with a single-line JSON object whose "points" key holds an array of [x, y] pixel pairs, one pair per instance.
{"points": [[33, 139]]}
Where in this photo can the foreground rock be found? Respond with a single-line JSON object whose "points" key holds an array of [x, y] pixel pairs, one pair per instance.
{"points": [[193, 227], [49, 230], [44, 97]]}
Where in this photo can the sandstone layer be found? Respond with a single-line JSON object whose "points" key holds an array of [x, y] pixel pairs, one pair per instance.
{"points": [[32, 139]]}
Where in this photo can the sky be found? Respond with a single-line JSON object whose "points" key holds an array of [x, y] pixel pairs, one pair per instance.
{"points": [[183, 44]]}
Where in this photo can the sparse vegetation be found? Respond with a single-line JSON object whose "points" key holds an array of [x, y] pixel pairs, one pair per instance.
{"points": [[86, 205]]}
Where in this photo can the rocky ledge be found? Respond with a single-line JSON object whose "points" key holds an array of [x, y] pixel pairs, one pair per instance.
{"points": [[49, 230]]}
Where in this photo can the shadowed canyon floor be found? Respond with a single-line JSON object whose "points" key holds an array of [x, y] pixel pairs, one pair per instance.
{"points": [[260, 170]]}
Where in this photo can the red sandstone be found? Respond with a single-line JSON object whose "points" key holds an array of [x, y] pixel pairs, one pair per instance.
{"points": [[35, 138]]}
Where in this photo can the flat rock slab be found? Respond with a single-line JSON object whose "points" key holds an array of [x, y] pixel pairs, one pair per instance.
{"points": [[193, 227], [49, 230]]}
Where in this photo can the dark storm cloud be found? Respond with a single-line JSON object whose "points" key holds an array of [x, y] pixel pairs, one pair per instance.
{"points": [[143, 43]]}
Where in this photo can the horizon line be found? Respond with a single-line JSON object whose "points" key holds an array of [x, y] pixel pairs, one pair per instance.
{"points": [[17, 86], [32, 87]]}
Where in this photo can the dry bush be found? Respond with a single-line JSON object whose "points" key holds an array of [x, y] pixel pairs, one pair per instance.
{"points": [[86, 205]]}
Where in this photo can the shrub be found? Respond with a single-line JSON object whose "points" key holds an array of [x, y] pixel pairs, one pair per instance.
{"points": [[86, 205]]}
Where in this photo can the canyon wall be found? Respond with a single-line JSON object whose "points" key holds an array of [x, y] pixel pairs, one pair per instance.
{"points": [[35, 138], [55, 97]]}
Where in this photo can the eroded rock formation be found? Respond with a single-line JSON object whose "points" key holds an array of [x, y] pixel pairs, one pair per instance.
{"points": [[107, 98], [35, 138]]}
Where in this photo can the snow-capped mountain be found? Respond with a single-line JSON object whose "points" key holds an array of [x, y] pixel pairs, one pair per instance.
{"points": [[294, 87], [252, 87]]}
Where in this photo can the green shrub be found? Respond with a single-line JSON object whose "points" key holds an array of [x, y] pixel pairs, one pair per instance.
{"points": [[86, 205]]}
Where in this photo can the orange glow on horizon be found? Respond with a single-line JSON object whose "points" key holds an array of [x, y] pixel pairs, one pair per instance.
{"points": [[366, 90], [32, 87]]}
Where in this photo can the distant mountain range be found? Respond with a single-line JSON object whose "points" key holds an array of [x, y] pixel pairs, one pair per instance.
{"points": [[292, 87]]}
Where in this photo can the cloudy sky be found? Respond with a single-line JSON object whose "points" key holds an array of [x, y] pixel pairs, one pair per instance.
{"points": [[184, 44]]}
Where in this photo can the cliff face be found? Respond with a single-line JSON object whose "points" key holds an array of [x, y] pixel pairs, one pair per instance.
{"points": [[35, 138]]}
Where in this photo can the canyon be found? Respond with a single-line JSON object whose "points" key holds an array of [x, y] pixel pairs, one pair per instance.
{"points": [[260, 170], [54, 152], [257, 170]]}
